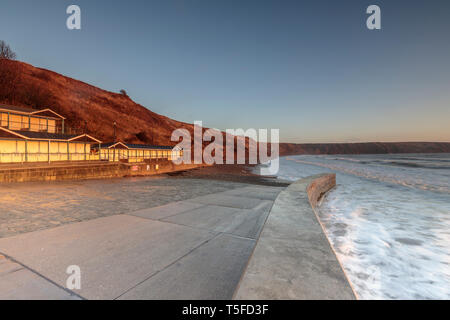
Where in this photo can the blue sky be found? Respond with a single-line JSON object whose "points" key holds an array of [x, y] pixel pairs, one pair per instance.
{"points": [[310, 68]]}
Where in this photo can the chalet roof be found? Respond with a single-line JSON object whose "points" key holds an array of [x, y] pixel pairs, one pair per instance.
{"points": [[32, 135], [146, 146], [45, 135], [28, 111], [135, 146]]}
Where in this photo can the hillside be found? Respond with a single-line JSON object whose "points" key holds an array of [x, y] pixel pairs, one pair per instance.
{"points": [[80, 102], [25, 85]]}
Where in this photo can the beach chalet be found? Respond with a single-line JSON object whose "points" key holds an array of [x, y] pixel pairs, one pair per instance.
{"points": [[29, 135], [127, 152]]}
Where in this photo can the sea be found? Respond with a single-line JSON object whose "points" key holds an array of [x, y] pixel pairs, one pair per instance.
{"points": [[388, 220]]}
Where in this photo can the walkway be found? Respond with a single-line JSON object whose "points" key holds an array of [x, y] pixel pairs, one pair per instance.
{"points": [[196, 248]]}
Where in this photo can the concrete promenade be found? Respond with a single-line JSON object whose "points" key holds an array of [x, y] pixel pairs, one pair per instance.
{"points": [[171, 239], [196, 248]]}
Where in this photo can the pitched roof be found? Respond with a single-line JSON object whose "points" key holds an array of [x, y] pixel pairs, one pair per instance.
{"points": [[48, 110], [28, 111], [45, 135], [135, 146], [32, 135], [146, 146], [112, 144], [83, 136]]}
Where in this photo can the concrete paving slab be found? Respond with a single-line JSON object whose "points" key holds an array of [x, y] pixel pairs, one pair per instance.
{"points": [[114, 253], [167, 210], [240, 222], [19, 283], [206, 217], [220, 199], [263, 193], [212, 271], [248, 223]]}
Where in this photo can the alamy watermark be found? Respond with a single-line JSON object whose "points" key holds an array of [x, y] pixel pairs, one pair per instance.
{"points": [[374, 20], [73, 22], [73, 282], [235, 147]]}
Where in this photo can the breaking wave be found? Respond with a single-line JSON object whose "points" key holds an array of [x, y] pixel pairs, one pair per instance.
{"points": [[388, 220]]}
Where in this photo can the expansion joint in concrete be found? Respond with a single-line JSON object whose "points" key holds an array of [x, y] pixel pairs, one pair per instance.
{"points": [[11, 259]]}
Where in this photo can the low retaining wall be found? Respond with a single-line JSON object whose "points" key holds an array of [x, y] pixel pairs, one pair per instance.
{"points": [[319, 186], [89, 171], [293, 258], [155, 167]]}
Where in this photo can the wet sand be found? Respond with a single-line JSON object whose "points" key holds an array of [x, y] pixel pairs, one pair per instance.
{"points": [[235, 172]]}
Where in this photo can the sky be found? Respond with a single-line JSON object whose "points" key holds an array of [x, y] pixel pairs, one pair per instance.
{"points": [[309, 68]]}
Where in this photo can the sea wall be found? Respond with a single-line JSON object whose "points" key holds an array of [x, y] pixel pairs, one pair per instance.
{"points": [[319, 186], [293, 258], [153, 167], [81, 171]]}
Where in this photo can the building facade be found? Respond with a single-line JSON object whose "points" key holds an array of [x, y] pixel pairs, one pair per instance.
{"points": [[28, 135], [127, 152]]}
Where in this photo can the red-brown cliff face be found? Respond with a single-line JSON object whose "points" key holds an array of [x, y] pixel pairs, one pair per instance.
{"points": [[80, 102]]}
